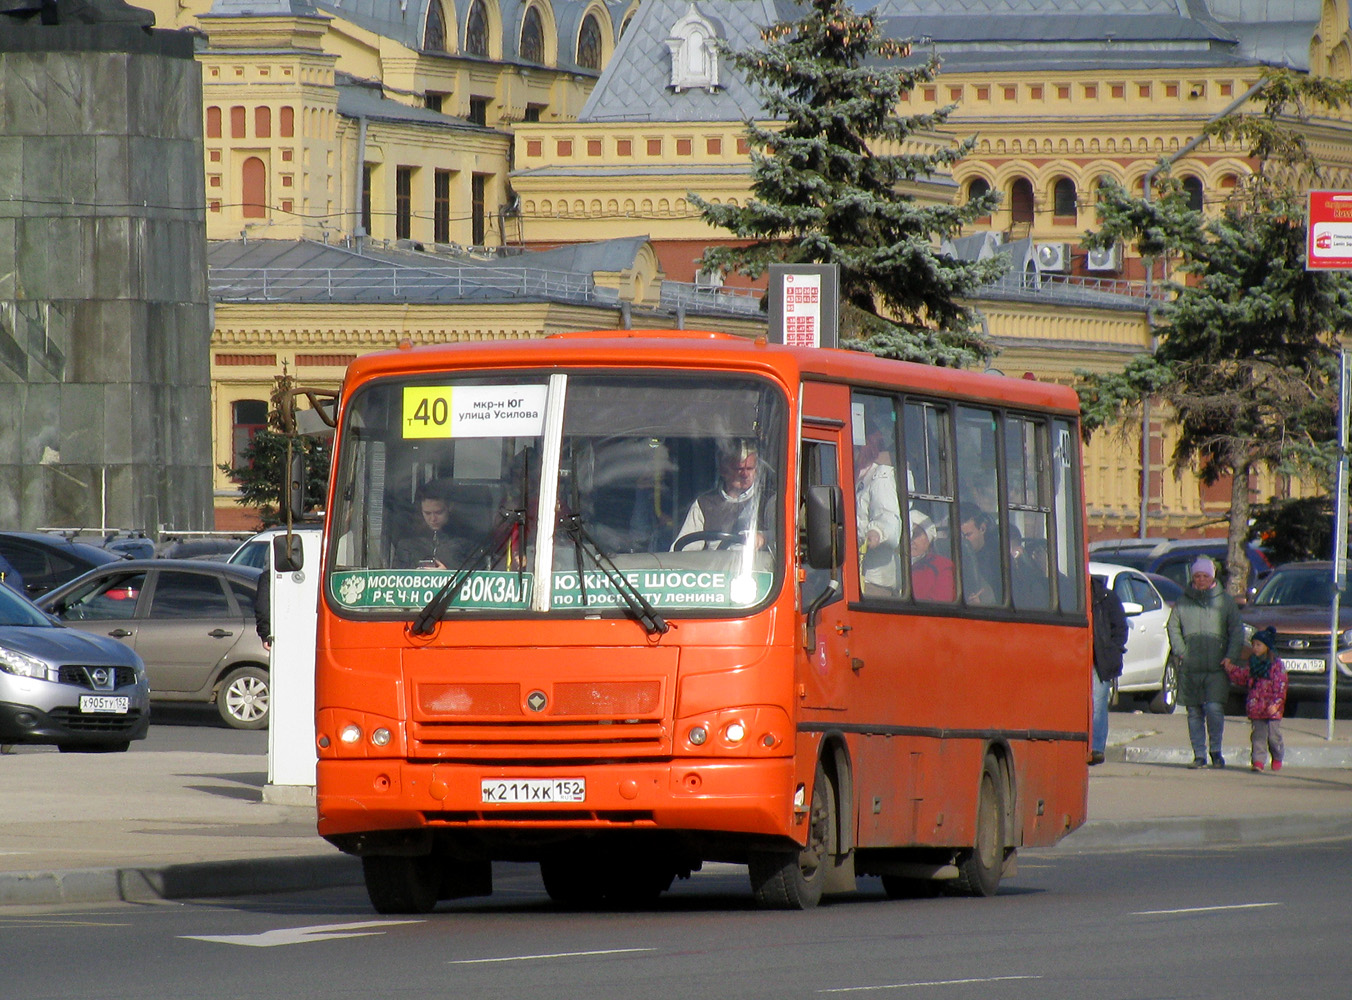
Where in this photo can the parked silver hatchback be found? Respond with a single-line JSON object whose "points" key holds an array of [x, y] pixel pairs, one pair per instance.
{"points": [[62, 687], [191, 621]]}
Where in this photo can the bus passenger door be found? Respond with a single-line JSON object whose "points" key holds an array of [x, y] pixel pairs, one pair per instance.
{"points": [[822, 681]]}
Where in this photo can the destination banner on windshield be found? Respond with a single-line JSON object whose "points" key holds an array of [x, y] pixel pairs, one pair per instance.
{"points": [[489, 590]]}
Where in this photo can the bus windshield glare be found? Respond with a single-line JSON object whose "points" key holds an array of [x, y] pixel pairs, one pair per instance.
{"points": [[665, 491]]}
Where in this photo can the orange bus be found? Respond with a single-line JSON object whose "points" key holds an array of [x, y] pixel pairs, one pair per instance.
{"points": [[621, 603]]}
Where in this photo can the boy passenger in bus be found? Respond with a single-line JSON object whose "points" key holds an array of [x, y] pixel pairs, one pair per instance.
{"points": [[430, 545], [736, 507], [931, 571], [877, 515]]}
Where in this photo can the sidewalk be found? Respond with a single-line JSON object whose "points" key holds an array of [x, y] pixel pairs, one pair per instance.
{"points": [[172, 825]]}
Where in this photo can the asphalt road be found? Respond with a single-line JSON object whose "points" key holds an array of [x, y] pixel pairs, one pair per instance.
{"points": [[1204, 923]]}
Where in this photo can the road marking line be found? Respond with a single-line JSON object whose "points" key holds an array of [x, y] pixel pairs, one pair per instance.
{"points": [[301, 935], [560, 954], [937, 982], [1202, 909]]}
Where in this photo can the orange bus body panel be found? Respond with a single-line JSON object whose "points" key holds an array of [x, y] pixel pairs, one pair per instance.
{"points": [[909, 701]]}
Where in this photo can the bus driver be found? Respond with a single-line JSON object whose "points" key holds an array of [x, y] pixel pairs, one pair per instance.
{"points": [[737, 505]]}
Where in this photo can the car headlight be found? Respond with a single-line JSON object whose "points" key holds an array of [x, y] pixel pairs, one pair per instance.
{"points": [[22, 665]]}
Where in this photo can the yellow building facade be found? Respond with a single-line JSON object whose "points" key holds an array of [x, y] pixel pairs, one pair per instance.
{"points": [[474, 126]]}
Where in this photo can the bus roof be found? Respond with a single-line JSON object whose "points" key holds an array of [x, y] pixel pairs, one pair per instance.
{"points": [[708, 349]]}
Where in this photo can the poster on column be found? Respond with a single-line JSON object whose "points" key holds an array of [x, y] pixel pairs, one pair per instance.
{"points": [[803, 304], [1329, 231]]}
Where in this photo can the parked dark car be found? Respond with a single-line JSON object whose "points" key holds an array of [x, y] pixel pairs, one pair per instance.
{"points": [[1297, 600], [60, 686], [46, 561], [218, 549], [191, 621], [1173, 558]]}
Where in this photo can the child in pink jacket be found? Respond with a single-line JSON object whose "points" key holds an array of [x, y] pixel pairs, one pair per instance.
{"points": [[1265, 677]]}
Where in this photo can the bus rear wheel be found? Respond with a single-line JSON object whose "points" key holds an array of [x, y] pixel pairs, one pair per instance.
{"points": [[399, 884], [794, 879], [980, 867]]}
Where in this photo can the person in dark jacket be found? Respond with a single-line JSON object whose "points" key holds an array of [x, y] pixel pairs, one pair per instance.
{"points": [[1205, 638], [1110, 642], [263, 604]]}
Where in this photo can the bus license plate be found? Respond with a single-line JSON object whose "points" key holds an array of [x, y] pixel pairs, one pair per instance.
{"points": [[117, 704], [516, 791], [1302, 665]]}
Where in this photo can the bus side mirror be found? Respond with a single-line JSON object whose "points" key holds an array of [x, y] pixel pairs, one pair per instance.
{"points": [[825, 527], [288, 555], [295, 484]]}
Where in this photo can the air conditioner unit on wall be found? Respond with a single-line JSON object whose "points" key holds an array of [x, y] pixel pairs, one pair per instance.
{"points": [[1053, 256], [1104, 260]]}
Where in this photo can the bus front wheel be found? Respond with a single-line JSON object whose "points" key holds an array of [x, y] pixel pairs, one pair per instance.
{"points": [[979, 868], [399, 884], [794, 879]]}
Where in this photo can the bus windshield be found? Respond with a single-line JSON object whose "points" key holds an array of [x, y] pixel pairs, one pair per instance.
{"points": [[665, 491]]}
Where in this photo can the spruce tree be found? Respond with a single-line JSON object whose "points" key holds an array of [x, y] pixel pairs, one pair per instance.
{"points": [[829, 170], [262, 473], [1247, 356]]}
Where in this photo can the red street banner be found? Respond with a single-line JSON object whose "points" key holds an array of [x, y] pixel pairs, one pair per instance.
{"points": [[1328, 234]]}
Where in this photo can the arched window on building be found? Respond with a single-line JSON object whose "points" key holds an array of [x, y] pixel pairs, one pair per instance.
{"points": [[978, 187], [1192, 187], [238, 117], [255, 189], [434, 29], [476, 30], [589, 43], [624, 25], [287, 122], [213, 122], [1063, 199], [247, 418], [533, 36], [1021, 201], [262, 123]]}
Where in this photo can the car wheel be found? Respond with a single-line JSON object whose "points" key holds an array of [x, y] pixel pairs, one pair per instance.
{"points": [[1166, 699], [243, 698], [794, 879]]}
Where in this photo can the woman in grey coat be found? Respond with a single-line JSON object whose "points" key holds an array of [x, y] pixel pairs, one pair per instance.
{"points": [[1205, 637]]}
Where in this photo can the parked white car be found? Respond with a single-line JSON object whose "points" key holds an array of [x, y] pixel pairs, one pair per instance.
{"points": [[1145, 667]]}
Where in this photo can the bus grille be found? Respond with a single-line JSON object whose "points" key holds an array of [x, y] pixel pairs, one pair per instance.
{"points": [[569, 719]]}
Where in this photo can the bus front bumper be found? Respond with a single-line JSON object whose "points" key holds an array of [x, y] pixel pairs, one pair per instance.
{"points": [[731, 796]]}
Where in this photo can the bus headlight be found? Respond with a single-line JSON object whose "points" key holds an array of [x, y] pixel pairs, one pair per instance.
{"points": [[381, 737], [735, 732], [350, 734], [697, 735]]}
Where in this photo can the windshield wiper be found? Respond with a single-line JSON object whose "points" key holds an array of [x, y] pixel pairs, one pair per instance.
{"points": [[639, 606], [490, 549]]}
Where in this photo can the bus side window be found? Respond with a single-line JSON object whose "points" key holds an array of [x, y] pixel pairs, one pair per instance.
{"points": [[818, 469], [878, 521], [983, 545]]}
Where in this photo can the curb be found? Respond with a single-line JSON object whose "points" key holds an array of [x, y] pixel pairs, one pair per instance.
{"points": [[1312, 757], [1248, 831], [184, 881]]}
